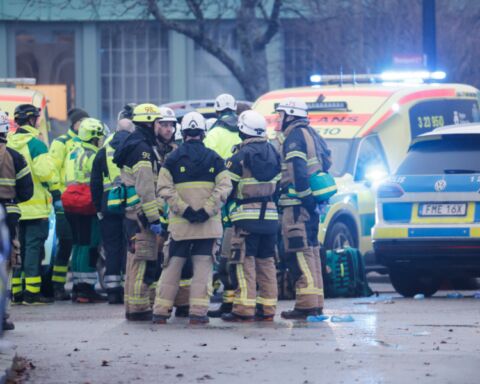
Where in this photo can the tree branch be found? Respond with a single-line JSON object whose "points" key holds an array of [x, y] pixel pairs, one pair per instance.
{"points": [[201, 39], [272, 28]]}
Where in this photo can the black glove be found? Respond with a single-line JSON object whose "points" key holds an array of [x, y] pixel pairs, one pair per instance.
{"points": [[309, 203], [191, 215], [202, 215]]}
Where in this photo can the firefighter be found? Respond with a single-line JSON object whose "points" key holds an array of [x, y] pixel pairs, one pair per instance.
{"points": [[255, 172], [59, 151], [105, 176], [303, 155], [82, 218], [195, 184], [139, 161], [223, 135], [33, 225], [16, 185], [166, 144]]}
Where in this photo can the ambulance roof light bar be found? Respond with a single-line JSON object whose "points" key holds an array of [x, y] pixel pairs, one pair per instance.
{"points": [[390, 76], [18, 81]]}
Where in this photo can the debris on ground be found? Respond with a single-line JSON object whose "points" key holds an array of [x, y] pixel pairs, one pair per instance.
{"points": [[342, 319], [419, 296]]}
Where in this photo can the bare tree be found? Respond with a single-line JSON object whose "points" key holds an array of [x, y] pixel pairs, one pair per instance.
{"points": [[254, 28]]}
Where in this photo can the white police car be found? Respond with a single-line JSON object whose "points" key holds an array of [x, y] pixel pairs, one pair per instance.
{"points": [[428, 214]]}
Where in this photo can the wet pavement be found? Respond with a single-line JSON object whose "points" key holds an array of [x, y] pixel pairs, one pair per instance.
{"points": [[391, 340]]}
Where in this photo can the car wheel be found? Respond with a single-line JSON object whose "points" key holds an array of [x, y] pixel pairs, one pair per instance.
{"points": [[339, 236], [410, 282]]}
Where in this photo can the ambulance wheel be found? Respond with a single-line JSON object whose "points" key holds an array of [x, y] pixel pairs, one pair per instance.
{"points": [[410, 282], [339, 236]]}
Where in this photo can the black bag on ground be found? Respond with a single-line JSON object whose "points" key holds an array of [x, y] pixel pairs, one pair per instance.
{"points": [[344, 274]]}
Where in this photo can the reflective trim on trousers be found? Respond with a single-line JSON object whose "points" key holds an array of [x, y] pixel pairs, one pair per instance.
{"points": [[32, 284], [264, 301], [242, 286], [228, 296], [199, 302], [137, 288], [305, 270], [137, 300], [185, 282], [113, 281], [164, 302]]}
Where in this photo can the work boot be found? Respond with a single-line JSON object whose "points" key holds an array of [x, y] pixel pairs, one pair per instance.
{"points": [[182, 311], [234, 318], [115, 297], [7, 325], [59, 293], [298, 314], [17, 298], [139, 316], [224, 308], [266, 318], [260, 314], [36, 299], [159, 319], [199, 320], [86, 294]]}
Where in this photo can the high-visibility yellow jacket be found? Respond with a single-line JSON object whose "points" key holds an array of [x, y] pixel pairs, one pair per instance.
{"points": [[45, 178], [59, 151], [223, 136], [79, 163]]}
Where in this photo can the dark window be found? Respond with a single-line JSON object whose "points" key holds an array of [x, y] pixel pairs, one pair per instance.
{"points": [[428, 115], [134, 65], [449, 155]]}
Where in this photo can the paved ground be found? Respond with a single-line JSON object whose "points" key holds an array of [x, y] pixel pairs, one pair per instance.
{"points": [[429, 341]]}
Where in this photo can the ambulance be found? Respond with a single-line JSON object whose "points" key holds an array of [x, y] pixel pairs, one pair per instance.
{"points": [[369, 128], [12, 94]]}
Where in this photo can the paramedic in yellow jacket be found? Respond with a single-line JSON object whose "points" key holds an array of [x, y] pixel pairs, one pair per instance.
{"points": [[223, 135], [195, 184], [84, 224], [33, 227], [59, 151]]}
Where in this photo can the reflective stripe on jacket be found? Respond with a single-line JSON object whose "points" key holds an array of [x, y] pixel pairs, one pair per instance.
{"points": [[41, 165]]}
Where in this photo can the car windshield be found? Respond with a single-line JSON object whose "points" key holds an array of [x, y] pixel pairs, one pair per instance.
{"points": [[452, 154], [340, 153]]}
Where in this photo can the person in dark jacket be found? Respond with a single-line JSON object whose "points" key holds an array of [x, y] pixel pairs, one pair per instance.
{"points": [[139, 161], [16, 185], [106, 175]]}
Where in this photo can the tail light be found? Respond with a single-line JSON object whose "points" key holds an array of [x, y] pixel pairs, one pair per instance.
{"points": [[390, 190]]}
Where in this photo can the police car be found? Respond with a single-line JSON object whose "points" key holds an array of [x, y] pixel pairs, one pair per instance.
{"points": [[368, 128], [428, 213]]}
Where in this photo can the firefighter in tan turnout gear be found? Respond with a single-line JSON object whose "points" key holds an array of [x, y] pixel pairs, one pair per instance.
{"points": [[139, 160], [304, 154], [255, 173], [195, 185]]}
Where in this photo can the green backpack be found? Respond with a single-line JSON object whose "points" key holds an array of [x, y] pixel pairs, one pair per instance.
{"points": [[344, 274]]}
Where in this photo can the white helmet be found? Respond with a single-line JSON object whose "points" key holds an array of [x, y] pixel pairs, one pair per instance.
{"points": [[252, 123], [293, 107], [225, 101], [4, 122], [193, 120], [168, 114]]}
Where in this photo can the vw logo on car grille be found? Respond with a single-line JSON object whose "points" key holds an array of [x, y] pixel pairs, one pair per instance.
{"points": [[440, 185]]}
